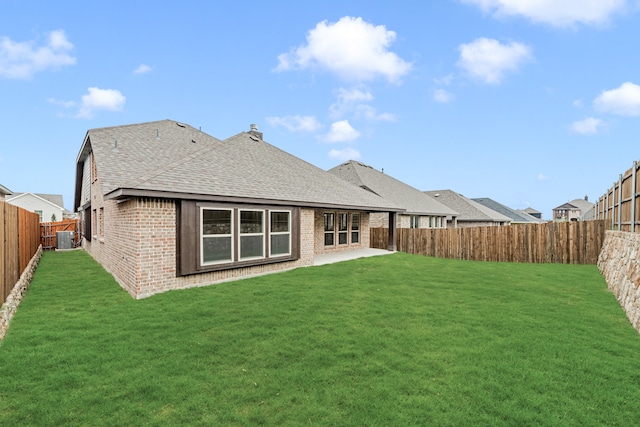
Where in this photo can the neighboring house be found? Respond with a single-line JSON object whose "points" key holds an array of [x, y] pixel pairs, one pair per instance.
{"points": [[167, 206], [422, 211], [4, 191], [534, 213], [517, 217], [574, 210], [470, 213], [50, 207]]}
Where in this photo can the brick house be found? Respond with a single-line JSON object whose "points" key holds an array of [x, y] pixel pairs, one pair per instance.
{"points": [[421, 210], [166, 206]]}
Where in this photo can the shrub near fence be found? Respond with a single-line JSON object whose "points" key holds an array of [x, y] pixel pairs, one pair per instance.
{"points": [[19, 241], [552, 242]]}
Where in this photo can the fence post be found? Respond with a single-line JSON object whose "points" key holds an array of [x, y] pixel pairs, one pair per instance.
{"points": [[633, 197], [620, 203]]}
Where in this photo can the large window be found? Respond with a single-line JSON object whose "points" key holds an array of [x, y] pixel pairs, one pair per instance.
{"points": [[414, 221], [235, 236], [280, 233], [217, 236], [251, 234], [355, 228], [329, 229], [343, 228], [338, 227]]}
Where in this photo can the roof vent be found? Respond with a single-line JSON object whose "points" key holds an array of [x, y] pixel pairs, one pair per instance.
{"points": [[180, 124], [253, 130], [115, 146]]}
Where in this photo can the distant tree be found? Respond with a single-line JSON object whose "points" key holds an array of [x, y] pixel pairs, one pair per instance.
{"points": [[53, 217]]}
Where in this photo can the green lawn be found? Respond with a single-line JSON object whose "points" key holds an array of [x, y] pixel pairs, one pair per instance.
{"points": [[396, 340]]}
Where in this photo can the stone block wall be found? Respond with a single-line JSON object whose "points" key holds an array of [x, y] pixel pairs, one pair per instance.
{"points": [[619, 264]]}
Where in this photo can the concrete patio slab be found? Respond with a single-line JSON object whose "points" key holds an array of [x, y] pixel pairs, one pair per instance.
{"points": [[348, 255]]}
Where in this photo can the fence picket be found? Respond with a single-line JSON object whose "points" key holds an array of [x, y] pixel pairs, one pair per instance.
{"points": [[552, 242]]}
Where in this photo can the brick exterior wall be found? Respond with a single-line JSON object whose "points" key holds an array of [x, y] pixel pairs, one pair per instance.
{"points": [[138, 245], [320, 248]]}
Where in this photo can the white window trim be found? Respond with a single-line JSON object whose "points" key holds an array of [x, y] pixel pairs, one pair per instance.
{"points": [[351, 230], [202, 236], [280, 233], [241, 235], [344, 232]]}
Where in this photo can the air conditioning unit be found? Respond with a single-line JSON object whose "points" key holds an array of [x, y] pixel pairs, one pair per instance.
{"points": [[64, 239]]}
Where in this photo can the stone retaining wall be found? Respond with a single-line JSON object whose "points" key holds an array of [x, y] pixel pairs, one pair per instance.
{"points": [[619, 264], [17, 293]]}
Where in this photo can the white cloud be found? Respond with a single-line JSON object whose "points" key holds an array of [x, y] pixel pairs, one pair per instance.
{"points": [[295, 123], [541, 177], [557, 13], [588, 126], [100, 99], [343, 155], [142, 69], [445, 81], [341, 131], [65, 104], [623, 101], [350, 48], [488, 59], [577, 103], [356, 101], [442, 96], [21, 60]]}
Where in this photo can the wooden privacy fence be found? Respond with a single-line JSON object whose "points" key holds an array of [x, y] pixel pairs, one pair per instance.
{"points": [[620, 206], [19, 241], [552, 242], [48, 232]]}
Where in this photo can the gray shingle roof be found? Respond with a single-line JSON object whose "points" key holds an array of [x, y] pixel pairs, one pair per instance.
{"points": [[391, 189], [171, 157], [516, 217], [4, 190], [468, 209]]}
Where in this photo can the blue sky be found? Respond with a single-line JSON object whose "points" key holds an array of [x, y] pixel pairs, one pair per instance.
{"points": [[531, 103]]}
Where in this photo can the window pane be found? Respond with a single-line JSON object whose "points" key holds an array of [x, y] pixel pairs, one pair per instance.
{"points": [[251, 222], [280, 244], [355, 221], [328, 222], [216, 249], [328, 239], [342, 222], [216, 221], [279, 222], [251, 247], [342, 238], [355, 237]]}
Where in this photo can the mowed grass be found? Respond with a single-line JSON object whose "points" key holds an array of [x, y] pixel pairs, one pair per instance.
{"points": [[396, 340]]}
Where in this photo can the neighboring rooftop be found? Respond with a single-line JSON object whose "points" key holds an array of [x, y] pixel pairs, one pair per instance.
{"points": [[516, 217], [469, 210], [4, 190], [397, 192], [55, 199]]}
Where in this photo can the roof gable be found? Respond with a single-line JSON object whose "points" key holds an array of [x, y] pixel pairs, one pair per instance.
{"points": [[49, 199], [413, 200]]}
